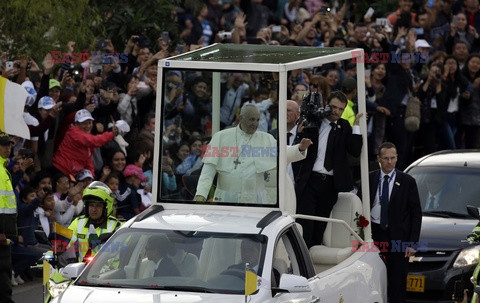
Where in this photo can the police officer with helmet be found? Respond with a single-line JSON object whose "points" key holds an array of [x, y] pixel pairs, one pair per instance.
{"points": [[98, 219]]}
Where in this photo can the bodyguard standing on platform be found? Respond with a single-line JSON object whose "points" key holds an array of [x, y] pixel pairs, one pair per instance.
{"points": [[8, 220], [396, 217], [325, 171]]}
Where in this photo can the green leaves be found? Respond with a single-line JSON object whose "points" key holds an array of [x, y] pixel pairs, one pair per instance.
{"points": [[140, 17], [34, 28]]}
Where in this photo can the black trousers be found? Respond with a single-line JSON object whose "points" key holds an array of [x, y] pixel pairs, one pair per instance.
{"points": [[317, 199], [397, 266], [5, 274]]}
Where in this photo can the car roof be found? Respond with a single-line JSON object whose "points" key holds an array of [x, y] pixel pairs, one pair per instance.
{"points": [[451, 158], [209, 220]]}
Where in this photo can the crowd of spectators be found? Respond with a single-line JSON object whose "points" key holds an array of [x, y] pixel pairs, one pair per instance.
{"points": [[96, 121]]}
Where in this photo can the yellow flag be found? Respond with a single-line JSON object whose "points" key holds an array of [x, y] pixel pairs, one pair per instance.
{"points": [[46, 272], [250, 281]]}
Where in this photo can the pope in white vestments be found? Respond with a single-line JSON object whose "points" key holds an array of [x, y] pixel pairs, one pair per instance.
{"points": [[244, 160]]}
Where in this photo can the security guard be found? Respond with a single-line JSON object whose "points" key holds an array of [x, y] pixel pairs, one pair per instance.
{"points": [[99, 201], [8, 220]]}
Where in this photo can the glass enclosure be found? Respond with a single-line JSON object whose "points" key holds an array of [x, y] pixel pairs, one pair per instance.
{"points": [[176, 260], [237, 163], [209, 101]]}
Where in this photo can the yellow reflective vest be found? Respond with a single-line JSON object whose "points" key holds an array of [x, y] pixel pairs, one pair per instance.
{"points": [[349, 113], [8, 202], [82, 232]]}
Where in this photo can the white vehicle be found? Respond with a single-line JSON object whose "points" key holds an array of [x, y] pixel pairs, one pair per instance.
{"points": [[180, 250]]}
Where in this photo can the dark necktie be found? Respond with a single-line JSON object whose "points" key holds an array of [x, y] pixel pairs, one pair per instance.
{"points": [[289, 134], [328, 163], [384, 204]]}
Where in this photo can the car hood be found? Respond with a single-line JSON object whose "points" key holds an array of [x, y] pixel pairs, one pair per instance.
{"points": [[83, 294], [445, 233]]}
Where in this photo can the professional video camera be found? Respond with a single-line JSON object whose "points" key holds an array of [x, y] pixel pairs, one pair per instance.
{"points": [[312, 110]]}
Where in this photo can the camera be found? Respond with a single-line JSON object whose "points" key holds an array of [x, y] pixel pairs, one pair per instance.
{"points": [[166, 37], [101, 44], [312, 110], [225, 35], [26, 153], [8, 65], [438, 76], [47, 190], [324, 10]]}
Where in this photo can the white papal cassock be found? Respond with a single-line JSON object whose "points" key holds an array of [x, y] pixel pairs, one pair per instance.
{"points": [[244, 166]]}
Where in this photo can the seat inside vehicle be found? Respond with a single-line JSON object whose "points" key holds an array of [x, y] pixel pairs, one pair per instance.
{"points": [[216, 256], [337, 239], [187, 263]]}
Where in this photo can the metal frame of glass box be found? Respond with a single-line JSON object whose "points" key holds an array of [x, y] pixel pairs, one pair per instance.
{"points": [[264, 58]]}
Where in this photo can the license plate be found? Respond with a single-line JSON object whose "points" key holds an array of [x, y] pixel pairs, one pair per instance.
{"points": [[416, 283]]}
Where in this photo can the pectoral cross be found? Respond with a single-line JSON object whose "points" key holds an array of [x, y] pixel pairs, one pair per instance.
{"points": [[236, 162]]}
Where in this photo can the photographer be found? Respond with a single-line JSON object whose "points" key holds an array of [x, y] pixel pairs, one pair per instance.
{"points": [[432, 95], [325, 171]]}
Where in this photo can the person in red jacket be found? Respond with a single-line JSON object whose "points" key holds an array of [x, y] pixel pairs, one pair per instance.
{"points": [[77, 147]]}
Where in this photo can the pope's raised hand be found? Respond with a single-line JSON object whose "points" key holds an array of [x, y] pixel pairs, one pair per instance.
{"points": [[304, 144]]}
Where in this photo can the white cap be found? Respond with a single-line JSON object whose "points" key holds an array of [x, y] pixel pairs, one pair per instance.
{"points": [[422, 43], [46, 102], [32, 94], [122, 126], [83, 174], [83, 115]]}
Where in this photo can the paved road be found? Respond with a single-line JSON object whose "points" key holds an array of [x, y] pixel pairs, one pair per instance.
{"points": [[30, 292]]}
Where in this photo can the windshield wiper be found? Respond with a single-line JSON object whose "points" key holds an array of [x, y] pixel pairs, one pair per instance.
{"points": [[446, 214], [181, 288]]}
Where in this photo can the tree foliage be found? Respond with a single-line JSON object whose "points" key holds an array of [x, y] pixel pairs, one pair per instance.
{"points": [[125, 18], [34, 28]]}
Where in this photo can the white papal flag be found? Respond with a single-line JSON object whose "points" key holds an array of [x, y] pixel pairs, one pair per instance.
{"points": [[12, 102]]}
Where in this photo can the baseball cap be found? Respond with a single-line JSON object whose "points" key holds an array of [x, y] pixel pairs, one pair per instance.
{"points": [[5, 139], [32, 93], [83, 115], [349, 84], [133, 170], [54, 83], [46, 102], [83, 174], [422, 43]]}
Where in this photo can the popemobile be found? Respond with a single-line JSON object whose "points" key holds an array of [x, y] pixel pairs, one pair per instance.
{"points": [[227, 232]]}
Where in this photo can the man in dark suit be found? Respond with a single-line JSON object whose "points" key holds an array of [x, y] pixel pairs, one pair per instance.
{"points": [[434, 194], [250, 253], [396, 217], [325, 171], [157, 251]]}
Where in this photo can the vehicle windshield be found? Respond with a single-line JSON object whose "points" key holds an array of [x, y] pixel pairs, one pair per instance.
{"points": [[446, 191], [219, 137], [176, 260]]}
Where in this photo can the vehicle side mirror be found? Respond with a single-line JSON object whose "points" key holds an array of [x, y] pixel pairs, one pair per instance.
{"points": [[473, 211], [72, 271], [292, 284], [104, 237]]}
